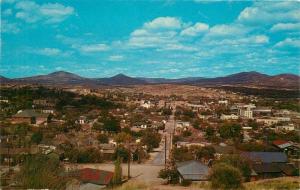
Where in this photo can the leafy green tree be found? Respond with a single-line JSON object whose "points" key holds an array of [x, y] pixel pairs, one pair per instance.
{"points": [[151, 139], [225, 176], [206, 152], [117, 178], [37, 137], [111, 124], [238, 162], [230, 131], [121, 152]]}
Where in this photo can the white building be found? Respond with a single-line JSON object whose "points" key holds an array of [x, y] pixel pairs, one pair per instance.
{"points": [[229, 117], [246, 111], [146, 104], [267, 121], [289, 127], [223, 102]]}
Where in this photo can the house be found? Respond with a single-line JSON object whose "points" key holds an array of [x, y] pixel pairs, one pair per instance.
{"points": [[268, 164], [267, 121], [29, 116], [290, 148], [223, 102], [192, 171], [145, 104], [271, 170], [282, 144], [265, 157], [288, 127], [82, 120], [92, 177]]}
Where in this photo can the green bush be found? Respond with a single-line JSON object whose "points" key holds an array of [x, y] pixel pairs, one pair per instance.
{"points": [[170, 174], [224, 176]]}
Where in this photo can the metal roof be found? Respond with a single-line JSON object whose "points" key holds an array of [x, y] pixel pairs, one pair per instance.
{"points": [[192, 170], [265, 157]]}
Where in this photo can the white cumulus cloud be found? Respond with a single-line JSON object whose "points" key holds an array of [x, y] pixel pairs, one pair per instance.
{"points": [[195, 30], [32, 12]]}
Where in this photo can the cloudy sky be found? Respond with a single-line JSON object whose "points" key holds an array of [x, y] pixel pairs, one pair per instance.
{"points": [[149, 38]]}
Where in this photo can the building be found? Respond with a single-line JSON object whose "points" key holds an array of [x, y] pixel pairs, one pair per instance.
{"points": [[262, 110], [229, 117], [265, 157], [91, 178], [223, 102], [266, 165], [145, 104], [29, 116], [267, 121], [82, 120], [288, 127], [246, 110], [192, 171], [282, 144]]}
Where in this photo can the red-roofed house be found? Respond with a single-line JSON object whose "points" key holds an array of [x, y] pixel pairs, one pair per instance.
{"points": [[93, 176], [282, 144]]}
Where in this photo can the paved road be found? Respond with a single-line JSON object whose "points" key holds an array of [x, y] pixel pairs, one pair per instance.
{"points": [[159, 158]]}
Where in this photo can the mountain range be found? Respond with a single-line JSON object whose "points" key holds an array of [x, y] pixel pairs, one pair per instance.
{"points": [[256, 79]]}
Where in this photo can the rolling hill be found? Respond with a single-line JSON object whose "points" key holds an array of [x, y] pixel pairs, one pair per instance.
{"points": [[288, 81]]}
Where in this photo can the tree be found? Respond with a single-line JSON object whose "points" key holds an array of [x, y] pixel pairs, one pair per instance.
{"points": [[151, 139], [225, 176], [102, 138], [117, 178], [121, 152], [230, 131], [41, 172], [209, 133], [37, 137], [196, 124], [123, 137], [111, 124], [170, 174], [239, 163], [206, 152], [182, 154]]}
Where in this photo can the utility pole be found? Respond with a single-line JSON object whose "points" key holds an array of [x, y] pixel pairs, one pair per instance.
{"points": [[165, 151], [129, 158]]}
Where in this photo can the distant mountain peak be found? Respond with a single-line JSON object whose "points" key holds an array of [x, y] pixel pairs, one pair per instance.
{"points": [[120, 75]]}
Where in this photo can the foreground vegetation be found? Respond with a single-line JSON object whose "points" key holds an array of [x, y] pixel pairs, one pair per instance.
{"points": [[286, 183]]}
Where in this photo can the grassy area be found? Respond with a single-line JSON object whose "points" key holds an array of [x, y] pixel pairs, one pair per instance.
{"points": [[284, 183]]}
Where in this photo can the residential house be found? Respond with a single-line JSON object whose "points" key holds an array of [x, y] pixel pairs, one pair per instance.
{"points": [[29, 116], [192, 171], [82, 120], [91, 178], [268, 164]]}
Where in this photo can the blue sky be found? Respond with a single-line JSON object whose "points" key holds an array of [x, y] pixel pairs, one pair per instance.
{"points": [[169, 38]]}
